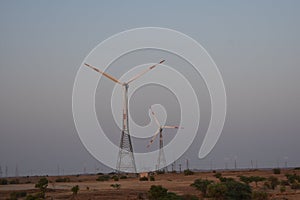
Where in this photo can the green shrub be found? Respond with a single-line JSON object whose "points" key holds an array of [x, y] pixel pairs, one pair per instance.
{"points": [[116, 178], [116, 186], [218, 175], [16, 195], [297, 168], [62, 180], [123, 177], [32, 197], [188, 172], [237, 190], [103, 178], [217, 190], [160, 171], [152, 178], [259, 195], [42, 185], [202, 184], [3, 182], [292, 178], [295, 186], [282, 188], [273, 182], [75, 190], [276, 171], [143, 178], [15, 181], [189, 197]]}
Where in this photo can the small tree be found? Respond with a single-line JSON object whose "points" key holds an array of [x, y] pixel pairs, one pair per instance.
{"points": [[42, 185], [273, 182], [202, 185], [75, 190]]}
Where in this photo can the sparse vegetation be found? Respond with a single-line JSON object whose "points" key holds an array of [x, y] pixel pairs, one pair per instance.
{"points": [[152, 178], [103, 178], [116, 186], [16, 195], [62, 180], [188, 172], [123, 177], [42, 185], [75, 190], [259, 195], [202, 184], [144, 178], [276, 171], [3, 182], [217, 191], [273, 181]]}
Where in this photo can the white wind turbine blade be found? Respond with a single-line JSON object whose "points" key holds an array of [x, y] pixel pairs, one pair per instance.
{"points": [[103, 73], [144, 72], [154, 116], [175, 127], [153, 138]]}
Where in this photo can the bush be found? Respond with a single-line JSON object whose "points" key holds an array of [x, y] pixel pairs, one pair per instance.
{"points": [[188, 172], [16, 195], [62, 180], [75, 190], [217, 190], [116, 186], [282, 188], [116, 178], [201, 185], [15, 181], [218, 175], [292, 178], [273, 182], [143, 178], [276, 171], [189, 197], [259, 195], [295, 186], [284, 183], [160, 171], [3, 182], [42, 185], [103, 178], [123, 177], [297, 168], [237, 190], [31, 197], [157, 192], [152, 178]]}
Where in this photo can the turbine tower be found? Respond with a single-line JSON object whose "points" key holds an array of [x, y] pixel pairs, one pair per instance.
{"points": [[161, 161], [125, 162]]}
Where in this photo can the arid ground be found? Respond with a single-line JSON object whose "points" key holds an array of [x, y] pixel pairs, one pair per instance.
{"points": [[133, 188]]}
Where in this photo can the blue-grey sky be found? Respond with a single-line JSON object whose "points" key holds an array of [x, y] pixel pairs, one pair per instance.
{"points": [[255, 44]]}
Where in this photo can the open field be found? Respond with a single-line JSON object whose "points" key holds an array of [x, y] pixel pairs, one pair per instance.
{"points": [[132, 188]]}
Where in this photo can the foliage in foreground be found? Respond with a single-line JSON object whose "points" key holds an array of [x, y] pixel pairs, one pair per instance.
{"points": [[157, 192]]}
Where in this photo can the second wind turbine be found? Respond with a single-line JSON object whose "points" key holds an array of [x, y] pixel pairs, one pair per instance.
{"points": [[126, 161]]}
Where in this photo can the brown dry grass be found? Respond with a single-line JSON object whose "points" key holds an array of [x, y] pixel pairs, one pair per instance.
{"points": [[132, 187]]}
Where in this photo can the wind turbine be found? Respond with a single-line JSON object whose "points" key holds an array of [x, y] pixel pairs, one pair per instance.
{"points": [[161, 161], [125, 150]]}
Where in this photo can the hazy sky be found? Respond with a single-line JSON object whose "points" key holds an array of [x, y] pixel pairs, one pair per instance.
{"points": [[255, 44]]}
